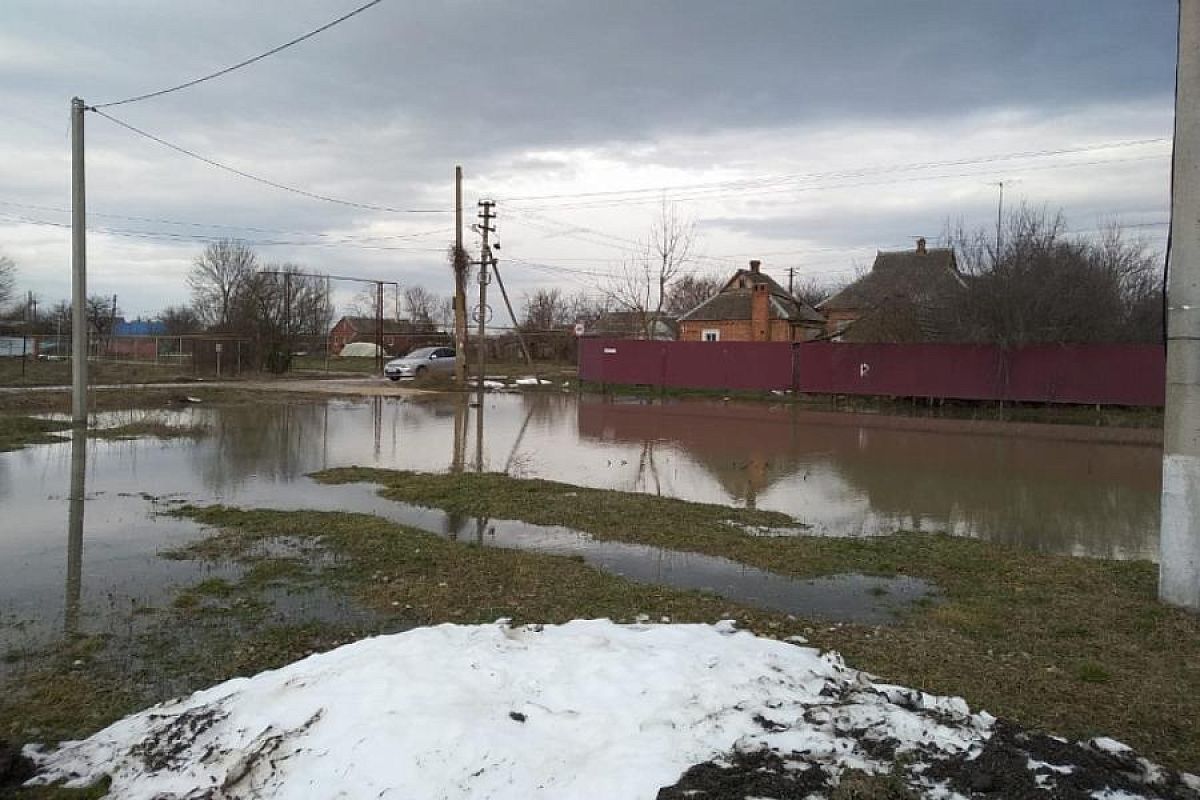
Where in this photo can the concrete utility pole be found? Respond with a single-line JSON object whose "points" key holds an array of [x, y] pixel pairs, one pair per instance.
{"points": [[485, 258], [79, 354], [1179, 539], [460, 285]]}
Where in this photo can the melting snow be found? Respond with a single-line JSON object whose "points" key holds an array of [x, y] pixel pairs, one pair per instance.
{"points": [[589, 709]]}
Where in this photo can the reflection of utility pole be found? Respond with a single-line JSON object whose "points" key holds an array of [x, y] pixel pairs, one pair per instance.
{"points": [[75, 530], [999, 219], [461, 412], [1179, 538]]}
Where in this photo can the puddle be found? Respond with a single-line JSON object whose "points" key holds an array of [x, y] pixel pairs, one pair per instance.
{"points": [[72, 564]]}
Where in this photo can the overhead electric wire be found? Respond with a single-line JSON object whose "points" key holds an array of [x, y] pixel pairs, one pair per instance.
{"points": [[240, 64], [752, 192], [267, 181], [348, 237], [172, 236], [878, 169]]}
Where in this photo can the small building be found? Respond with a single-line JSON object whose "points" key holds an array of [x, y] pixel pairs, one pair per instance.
{"points": [[634, 325], [904, 298], [399, 335], [751, 307]]}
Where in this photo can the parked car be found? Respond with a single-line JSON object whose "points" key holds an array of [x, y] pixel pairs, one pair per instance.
{"points": [[421, 362]]}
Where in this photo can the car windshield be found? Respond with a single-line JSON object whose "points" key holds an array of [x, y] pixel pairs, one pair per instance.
{"points": [[421, 352]]}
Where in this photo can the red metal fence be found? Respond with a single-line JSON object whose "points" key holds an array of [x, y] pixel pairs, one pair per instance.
{"points": [[1111, 374]]}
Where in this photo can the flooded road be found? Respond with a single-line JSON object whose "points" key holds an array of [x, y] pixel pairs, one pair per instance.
{"points": [[1066, 490]]}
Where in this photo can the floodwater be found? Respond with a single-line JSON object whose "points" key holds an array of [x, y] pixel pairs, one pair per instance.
{"points": [[80, 559]]}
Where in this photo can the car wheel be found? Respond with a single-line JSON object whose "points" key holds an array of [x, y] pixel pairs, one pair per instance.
{"points": [[393, 377]]}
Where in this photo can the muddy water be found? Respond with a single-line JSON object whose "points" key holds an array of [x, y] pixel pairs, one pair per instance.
{"points": [[84, 564]]}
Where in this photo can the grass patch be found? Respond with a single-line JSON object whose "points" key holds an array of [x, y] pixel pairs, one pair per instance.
{"points": [[41, 372], [18, 431], [396, 569], [149, 429], [1075, 646]]}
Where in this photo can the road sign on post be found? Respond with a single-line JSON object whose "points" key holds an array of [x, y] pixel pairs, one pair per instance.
{"points": [[579, 328]]}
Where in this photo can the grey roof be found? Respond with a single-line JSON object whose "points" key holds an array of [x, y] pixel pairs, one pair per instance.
{"points": [[390, 326], [904, 274], [734, 301], [629, 323]]}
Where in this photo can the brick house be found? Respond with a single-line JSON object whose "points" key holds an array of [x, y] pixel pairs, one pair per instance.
{"points": [[399, 335], [904, 298], [751, 307]]}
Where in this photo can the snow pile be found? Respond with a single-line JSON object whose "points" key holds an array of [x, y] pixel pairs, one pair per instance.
{"points": [[589, 709]]}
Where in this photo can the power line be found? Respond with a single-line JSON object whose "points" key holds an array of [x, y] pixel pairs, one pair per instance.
{"points": [[226, 226], [171, 236], [752, 192], [240, 64], [879, 169], [265, 181]]}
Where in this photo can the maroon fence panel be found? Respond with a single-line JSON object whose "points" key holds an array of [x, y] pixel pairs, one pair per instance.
{"points": [[1101, 373], [969, 372], [727, 365], [1120, 374]]}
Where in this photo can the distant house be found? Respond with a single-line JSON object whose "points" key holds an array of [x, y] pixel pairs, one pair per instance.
{"points": [[904, 298], [399, 335], [751, 307], [138, 327], [634, 325]]}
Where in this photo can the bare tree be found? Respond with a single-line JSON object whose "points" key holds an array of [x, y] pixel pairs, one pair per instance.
{"points": [[812, 292], [421, 304], [444, 312], [274, 305], [216, 277], [641, 286], [690, 291], [179, 320], [546, 310], [8, 279], [1043, 286]]}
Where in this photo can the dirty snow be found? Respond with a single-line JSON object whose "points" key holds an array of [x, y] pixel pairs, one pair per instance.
{"points": [[589, 709]]}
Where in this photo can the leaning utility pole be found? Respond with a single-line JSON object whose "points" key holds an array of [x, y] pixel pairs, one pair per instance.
{"points": [[459, 264], [79, 354], [485, 257], [511, 315], [1179, 537]]}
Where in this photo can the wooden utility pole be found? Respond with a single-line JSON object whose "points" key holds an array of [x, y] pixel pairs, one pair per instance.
{"points": [[1179, 537], [459, 264], [791, 280], [79, 338]]}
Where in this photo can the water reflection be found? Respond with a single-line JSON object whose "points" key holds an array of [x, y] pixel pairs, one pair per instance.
{"points": [[1074, 491], [75, 509]]}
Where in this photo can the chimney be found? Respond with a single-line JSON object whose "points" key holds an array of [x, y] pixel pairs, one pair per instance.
{"points": [[754, 265], [760, 316], [921, 245]]}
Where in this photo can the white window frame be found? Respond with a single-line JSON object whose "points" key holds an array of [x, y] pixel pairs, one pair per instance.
{"points": [[710, 335]]}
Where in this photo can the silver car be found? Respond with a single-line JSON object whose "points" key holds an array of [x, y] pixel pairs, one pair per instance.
{"points": [[421, 362]]}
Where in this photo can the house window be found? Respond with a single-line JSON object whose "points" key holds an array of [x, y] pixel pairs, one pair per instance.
{"points": [[710, 335]]}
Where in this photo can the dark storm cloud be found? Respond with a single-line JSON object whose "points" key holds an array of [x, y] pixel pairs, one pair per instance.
{"points": [[382, 107]]}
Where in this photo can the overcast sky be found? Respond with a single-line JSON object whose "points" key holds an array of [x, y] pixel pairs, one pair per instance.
{"points": [[787, 130]]}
